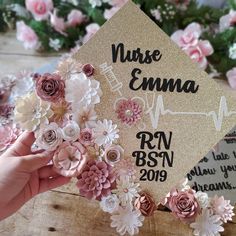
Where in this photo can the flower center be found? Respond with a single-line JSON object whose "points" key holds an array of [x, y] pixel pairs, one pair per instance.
{"points": [[105, 133], [129, 113], [126, 190]]}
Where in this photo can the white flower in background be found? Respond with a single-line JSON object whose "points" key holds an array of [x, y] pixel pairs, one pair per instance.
{"points": [[30, 112], [19, 10], [232, 51], [126, 190], [49, 137], [127, 220], [202, 198], [207, 224], [85, 117], [81, 91], [95, 3], [71, 131], [105, 132], [156, 14], [110, 203], [55, 44]]}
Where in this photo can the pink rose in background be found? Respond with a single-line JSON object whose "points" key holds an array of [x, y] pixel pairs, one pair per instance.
{"points": [[108, 13], [228, 21], [118, 3], [74, 18], [26, 35], [188, 37], [69, 159], [58, 23], [40, 9], [199, 53], [91, 29], [231, 76]]}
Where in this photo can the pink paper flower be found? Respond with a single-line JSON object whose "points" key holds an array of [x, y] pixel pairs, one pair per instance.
{"points": [[74, 18], [231, 76], [125, 167], [113, 154], [50, 87], [86, 137], [90, 31], [108, 13], [199, 53], [88, 70], [97, 180], [39, 8], [222, 208], [187, 37], [228, 21], [26, 35], [69, 159], [58, 23], [129, 112], [184, 205]]}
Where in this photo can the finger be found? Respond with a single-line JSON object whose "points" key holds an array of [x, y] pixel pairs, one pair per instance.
{"points": [[47, 184], [23, 144], [46, 172]]}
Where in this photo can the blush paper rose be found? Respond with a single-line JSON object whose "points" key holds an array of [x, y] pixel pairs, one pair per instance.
{"points": [[50, 87], [69, 159]]}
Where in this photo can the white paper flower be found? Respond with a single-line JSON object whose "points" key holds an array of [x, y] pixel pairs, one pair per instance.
{"points": [[105, 132], [30, 111], [110, 203], [85, 117], [127, 220], [81, 91], [232, 51], [202, 198], [126, 190], [71, 131], [207, 224], [49, 137]]}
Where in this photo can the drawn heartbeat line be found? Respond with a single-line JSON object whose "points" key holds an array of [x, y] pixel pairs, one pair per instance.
{"points": [[160, 110]]}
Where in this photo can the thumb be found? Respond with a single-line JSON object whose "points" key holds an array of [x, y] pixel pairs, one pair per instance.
{"points": [[33, 162]]}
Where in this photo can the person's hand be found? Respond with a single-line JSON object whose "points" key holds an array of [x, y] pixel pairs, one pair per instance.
{"points": [[24, 174]]}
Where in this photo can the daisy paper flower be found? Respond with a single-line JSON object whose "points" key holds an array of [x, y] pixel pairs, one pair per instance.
{"points": [[30, 112], [110, 203], [222, 207], [126, 190], [71, 131], [105, 132], [207, 224], [127, 220]]}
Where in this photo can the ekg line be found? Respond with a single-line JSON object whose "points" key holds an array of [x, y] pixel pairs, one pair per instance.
{"points": [[217, 117]]}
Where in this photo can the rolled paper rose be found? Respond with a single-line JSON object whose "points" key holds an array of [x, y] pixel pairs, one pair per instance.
{"points": [[88, 69], [113, 154], [50, 87], [184, 205], [145, 204], [69, 159], [86, 137], [71, 131]]}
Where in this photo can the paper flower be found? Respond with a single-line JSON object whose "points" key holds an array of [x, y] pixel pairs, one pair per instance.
{"points": [[202, 198], [125, 167], [49, 137], [105, 132], [146, 204], [222, 208], [127, 220], [227, 21], [85, 117], [60, 110], [86, 137], [207, 224], [88, 70], [113, 154], [69, 159], [126, 190], [184, 205], [50, 87], [91, 29], [71, 131], [129, 112], [96, 180], [30, 111], [110, 203], [231, 76], [81, 91], [75, 18], [6, 110]]}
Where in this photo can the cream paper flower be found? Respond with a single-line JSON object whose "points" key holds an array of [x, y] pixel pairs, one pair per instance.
{"points": [[110, 203], [126, 190], [207, 224], [81, 91], [30, 111], [105, 132], [202, 198], [127, 220]]}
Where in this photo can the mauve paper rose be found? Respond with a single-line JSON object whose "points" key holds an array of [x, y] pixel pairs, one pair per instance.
{"points": [[113, 154], [74, 18], [86, 137], [39, 8], [69, 159], [145, 204], [50, 87], [184, 205]]}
